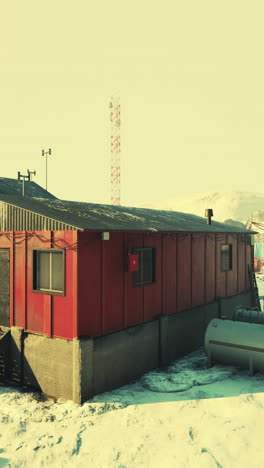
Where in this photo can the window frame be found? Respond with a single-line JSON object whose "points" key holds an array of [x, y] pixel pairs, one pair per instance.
{"points": [[138, 250], [34, 272], [230, 253]]}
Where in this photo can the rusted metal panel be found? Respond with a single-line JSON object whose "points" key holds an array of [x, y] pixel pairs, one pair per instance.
{"points": [[4, 287], [169, 275], [198, 270]]}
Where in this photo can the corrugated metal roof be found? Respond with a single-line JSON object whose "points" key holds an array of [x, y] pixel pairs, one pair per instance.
{"points": [[93, 216], [14, 187]]}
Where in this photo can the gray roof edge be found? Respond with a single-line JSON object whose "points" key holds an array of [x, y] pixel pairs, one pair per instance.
{"points": [[81, 224], [40, 214]]}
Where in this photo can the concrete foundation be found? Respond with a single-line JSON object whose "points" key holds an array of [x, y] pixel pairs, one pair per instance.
{"points": [[79, 369]]}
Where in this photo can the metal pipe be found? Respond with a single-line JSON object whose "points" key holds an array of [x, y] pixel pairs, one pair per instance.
{"points": [[209, 213]]}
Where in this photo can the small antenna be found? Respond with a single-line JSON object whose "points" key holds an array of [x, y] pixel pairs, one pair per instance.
{"points": [[46, 153], [30, 172], [23, 177]]}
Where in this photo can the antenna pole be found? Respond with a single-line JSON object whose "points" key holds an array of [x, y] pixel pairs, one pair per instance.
{"points": [[46, 153], [115, 149], [23, 177]]}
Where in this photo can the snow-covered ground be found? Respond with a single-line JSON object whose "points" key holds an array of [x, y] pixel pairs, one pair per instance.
{"points": [[186, 415]]}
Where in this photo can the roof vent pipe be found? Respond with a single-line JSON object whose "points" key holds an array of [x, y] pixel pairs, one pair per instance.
{"points": [[209, 213]]}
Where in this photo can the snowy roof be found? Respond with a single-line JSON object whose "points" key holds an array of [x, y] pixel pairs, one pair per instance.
{"points": [[14, 187], [92, 216]]}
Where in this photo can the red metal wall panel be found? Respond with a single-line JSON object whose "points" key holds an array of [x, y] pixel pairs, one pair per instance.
{"points": [[64, 308], [241, 263], [210, 268], [20, 269], [7, 243], [112, 283], [152, 292], [169, 274], [198, 269], [19, 282], [183, 272], [248, 262], [89, 284], [232, 275], [48, 314], [133, 297], [220, 275], [38, 306]]}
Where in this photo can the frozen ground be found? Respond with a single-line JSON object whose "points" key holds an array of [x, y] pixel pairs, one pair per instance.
{"points": [[183, 416]]}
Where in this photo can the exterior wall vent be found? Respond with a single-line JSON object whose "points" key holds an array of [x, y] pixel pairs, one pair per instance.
{"points": [[209, 213]]}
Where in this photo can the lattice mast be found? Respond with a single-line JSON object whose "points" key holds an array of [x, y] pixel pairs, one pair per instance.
{"points": [[115, 149]]}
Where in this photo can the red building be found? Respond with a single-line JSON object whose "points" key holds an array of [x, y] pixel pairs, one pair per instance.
{"points": [[77, 320]]}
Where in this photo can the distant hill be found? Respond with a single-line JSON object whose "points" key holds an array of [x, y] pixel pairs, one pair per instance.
{"points": [[256, 223], [234, 223], [226, 205]]}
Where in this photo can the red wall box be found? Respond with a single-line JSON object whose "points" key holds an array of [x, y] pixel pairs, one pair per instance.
{"points": [[133, 264], [100, 297]]}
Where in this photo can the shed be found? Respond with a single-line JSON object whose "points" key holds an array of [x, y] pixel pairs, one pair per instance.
{"points": [[76, 319]]}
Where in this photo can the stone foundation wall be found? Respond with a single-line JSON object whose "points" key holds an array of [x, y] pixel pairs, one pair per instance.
{"points": [[79, 369]]}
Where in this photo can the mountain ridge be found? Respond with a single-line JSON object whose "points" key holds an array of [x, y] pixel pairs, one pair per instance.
{"points": [[226, 204]]}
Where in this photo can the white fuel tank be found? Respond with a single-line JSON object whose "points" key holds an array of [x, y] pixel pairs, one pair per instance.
{"points": [[235, 343], [248, 315]]}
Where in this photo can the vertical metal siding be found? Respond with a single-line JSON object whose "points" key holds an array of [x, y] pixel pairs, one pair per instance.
{"points": [[248, 262], [169, 275], [13, 218], [220, 275], [112, 283], [241, 263], [231, 289], [152, 292], [133, 297], [198, 269], [210, 268], [184, 272], [89, 284]]}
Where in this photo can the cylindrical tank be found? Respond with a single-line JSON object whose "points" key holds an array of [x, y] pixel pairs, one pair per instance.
{"points": [[235, 343], [257, 264], [248, 315]]}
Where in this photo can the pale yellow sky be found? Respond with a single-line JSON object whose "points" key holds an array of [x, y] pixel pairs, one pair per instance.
{"points": [[190, 76]]}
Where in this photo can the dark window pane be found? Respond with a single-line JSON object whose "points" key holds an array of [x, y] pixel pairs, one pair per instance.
{"points": [[147, 265], [145, 275], [138, 275], [57, 271], [43, 270]]}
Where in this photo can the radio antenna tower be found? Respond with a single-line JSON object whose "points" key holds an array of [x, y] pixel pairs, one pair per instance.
{"points": [[115, 149]]}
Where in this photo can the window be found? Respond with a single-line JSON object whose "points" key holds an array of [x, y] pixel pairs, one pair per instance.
{"points": [[146, 273], [48, 271], [226, 257]]}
